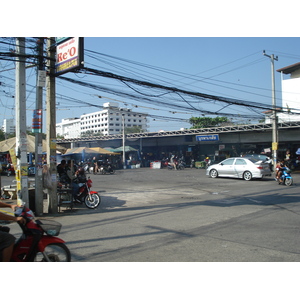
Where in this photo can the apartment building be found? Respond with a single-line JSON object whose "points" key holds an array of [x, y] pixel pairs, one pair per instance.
{"points": [[108, 121], [9, 126]]}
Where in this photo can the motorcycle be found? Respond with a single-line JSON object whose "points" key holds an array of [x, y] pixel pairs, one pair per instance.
{"points": [[9, 169], [39, 241], [192, 163], [285, 177], [86, 165], [106, 169], [180, 165], [91, 199], [164, 162]]}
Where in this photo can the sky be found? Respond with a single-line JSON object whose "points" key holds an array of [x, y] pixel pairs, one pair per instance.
{"points": [[231, 67], [223, 58]]}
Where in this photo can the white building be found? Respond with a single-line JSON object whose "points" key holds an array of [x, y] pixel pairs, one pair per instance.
{"points": [[68, 128], [290, 88], [9, 126], [108, 121]]}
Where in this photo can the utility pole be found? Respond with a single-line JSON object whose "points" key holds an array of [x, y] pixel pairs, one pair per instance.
{"points": [[51, 124], [274, 116], [37, 129], [21, 137], [123, 140]]}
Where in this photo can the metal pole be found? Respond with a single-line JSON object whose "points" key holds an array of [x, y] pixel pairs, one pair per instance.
{"points": [[21, 137], [274, 116], [38, 132]]}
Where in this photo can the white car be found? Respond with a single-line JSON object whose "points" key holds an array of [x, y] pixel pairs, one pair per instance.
{"points": [[239, 167]]}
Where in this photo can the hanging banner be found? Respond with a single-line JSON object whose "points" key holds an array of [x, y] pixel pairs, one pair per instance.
{"points": [[37, 121]]}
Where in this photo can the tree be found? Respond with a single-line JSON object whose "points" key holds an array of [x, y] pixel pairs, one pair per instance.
{"points": [[134, 129], [198, 122]]}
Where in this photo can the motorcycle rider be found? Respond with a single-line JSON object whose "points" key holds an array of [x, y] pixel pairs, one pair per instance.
{"points": [[79, 177], [173, 161], [7, 240], [279, 168]]}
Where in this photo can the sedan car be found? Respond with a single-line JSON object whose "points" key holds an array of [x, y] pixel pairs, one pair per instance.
{"points": [[262, 157], [239, 167]]}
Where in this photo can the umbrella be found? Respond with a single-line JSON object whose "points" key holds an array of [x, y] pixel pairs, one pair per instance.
{"points": [[103, 151], [8, 144], [127, 149], [80, 150]]}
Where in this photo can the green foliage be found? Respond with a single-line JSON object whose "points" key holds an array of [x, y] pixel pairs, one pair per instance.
{"points": [[198, 122], [134, 129], [4, 136]]}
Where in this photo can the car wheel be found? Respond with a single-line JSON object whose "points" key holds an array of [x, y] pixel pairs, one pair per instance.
{"points": [[247, 175], [213, 173]]}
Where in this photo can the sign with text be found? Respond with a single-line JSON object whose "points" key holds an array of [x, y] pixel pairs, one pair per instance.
{"points": [[69, 55], [37, 121], [207, 138]]}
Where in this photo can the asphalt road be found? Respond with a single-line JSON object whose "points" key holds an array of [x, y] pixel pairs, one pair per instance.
{"points": [[149, 215]]}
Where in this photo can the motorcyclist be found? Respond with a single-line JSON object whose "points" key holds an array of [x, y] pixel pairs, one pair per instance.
{"points": [[279, 168], [78, 178], [173, 161], [7, 240]]}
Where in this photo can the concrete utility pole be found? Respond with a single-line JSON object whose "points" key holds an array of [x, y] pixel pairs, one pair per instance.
{"points": [[40, 83], [51, 124], [21, 137], [123, 140], [274, 116]]}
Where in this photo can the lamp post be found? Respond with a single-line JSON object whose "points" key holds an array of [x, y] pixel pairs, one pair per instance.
{"points": [[274, 117]]}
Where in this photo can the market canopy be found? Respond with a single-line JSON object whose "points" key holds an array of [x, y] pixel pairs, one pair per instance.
{"points": [[8, 144], [103, 151], [127, 149], [80, 150], [86, 150]]}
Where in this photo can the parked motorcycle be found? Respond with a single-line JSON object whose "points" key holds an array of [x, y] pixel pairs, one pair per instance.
{"points": [[91, 199], [192, 163], [106, 168], [86, 165], [38, 241], [8, 170], [285, 177], [164, 162], [180, 165]]}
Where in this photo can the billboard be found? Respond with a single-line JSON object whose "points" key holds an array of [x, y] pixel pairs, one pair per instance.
{"points": [[69, 55]]}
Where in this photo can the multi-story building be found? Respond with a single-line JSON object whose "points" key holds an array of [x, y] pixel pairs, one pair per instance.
{"points": [[111, 120], [68, 128], [9, 126], [108, 121], [290, 95]]}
